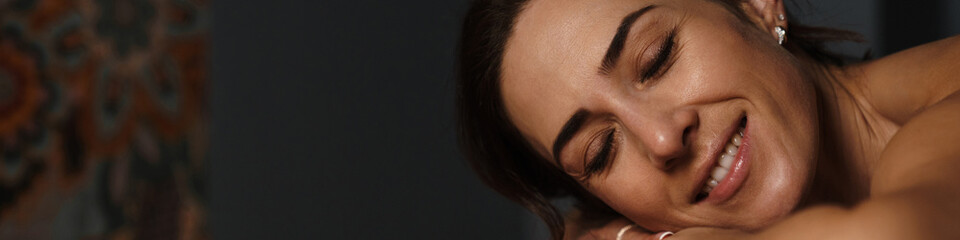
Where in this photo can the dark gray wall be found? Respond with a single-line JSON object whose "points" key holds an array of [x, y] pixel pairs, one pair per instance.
{"points": [[334, 120]]}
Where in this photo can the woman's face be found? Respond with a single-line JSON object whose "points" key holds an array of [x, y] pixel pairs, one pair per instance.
{"points": [[648, 132]]}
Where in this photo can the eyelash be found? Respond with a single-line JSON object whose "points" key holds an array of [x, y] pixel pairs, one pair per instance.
{"points": [[599, 162], [664, 53]]}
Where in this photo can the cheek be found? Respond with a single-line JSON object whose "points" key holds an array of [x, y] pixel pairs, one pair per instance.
{"points": [[785, 133], [637, 200], [634, 188], [721, 61]]}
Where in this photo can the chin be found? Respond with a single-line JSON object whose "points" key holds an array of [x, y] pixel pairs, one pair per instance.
{"points": [[767, 212], [778, 195]]}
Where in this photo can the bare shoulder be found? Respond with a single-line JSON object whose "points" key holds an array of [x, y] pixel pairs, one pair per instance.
{"points": [[919, 89], [931, 136], [918, 173], [903, 84]]}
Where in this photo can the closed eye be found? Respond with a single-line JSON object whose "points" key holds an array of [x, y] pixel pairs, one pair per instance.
{"points": [[664, 52], [598, 162]]}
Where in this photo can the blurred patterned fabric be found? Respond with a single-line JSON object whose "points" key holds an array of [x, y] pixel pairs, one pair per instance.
{"points": [[102, 119]]}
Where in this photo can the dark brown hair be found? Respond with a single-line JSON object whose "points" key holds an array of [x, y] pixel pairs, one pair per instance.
{"points": [[495, 148]]}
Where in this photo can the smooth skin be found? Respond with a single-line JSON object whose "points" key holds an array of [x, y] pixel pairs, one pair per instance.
{"points": [[867, 151]]}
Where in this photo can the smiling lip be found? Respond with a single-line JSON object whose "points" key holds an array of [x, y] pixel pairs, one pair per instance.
{"points": [[729, 184], [738, 172]]}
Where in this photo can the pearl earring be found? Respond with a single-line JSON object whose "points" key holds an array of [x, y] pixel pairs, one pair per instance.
{"points": [[781, 17], [781, 34]]}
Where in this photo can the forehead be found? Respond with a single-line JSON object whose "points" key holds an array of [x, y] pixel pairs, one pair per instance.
{"points": [[552, 57]]}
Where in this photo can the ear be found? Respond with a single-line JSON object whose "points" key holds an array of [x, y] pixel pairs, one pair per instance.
{"points": [[766, 14]]}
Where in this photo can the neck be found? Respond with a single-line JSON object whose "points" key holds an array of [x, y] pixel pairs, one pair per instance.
{"points": [[845, 154]]}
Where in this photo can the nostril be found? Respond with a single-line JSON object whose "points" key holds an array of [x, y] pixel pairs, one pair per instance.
{"points": [[685, 141], [667, 165]]}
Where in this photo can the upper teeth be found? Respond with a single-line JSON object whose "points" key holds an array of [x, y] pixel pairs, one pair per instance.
{"points": [[725, 161]]}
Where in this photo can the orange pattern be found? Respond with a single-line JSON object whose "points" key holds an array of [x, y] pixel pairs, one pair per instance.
{"points": [[102, 119]]}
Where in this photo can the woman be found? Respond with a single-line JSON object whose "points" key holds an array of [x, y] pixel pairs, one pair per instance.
{"points": [[707, 119]]}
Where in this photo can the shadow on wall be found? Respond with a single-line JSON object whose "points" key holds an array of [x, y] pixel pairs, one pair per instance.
{"points": [[102, 131]]}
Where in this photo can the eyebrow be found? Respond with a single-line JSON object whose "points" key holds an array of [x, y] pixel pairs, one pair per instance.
{"points": [[616, 45], [566, 133]]}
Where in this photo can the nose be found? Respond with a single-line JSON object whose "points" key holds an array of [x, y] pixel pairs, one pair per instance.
{"points": [[666, 135]]}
